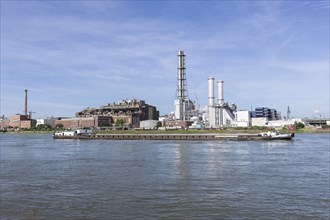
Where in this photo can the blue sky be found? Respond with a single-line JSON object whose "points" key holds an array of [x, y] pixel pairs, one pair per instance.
{"points": [[76, 54]]}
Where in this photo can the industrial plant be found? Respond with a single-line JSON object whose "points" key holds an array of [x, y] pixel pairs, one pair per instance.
{"points": [[20, 120], [125, 114], [137, 114], [220, 114]]}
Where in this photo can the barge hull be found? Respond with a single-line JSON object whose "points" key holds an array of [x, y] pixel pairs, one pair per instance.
{"points": [[230, 137]]}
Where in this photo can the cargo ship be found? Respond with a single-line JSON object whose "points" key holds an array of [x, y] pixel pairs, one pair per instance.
{"points": [[89, 134]]}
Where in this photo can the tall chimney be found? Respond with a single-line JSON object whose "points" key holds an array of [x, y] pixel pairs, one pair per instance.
{"points": [[182, 93], [220, 92], [220, 102], [182, 90], [211, 91], [25, 103], [211, 102]]}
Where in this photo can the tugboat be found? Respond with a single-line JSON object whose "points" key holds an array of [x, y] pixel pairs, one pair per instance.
{"points": [[276, 135]]}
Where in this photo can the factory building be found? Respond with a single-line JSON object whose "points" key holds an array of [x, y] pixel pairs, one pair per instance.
{"points": [[81, 122], [260, 117], [265, 112], [131, 112], [222, 113], [20, 120]]}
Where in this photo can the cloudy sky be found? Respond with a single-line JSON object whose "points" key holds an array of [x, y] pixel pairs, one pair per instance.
{"points": [[76, 54]]}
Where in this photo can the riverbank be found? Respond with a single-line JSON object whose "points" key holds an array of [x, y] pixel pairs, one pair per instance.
{"points": [[191, 131]]}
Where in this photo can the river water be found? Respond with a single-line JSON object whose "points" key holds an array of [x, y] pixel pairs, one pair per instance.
{"points": [[42, 178]]}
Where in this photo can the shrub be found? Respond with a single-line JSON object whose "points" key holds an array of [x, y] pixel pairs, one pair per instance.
{"points": [[299, 125]]}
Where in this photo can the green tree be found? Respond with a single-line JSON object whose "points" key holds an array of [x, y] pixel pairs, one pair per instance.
{"points": [[43, 127], [48, 127], [119, 122], [159, 124], [39, 127], [299, 125]]}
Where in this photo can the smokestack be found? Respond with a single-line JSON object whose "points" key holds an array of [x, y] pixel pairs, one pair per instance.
{"points": [[211, 91], [220, 92], [211, 102], [25, 103], [182, 93]]}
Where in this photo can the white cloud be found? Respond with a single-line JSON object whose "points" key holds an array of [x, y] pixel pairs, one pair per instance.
{"points": [[315, 67]]}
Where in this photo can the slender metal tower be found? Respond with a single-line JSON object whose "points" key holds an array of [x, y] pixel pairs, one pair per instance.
{"points": [[181, 93]]}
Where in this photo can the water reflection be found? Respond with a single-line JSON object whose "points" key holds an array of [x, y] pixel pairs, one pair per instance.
{"points": [[278, 143], [183, 169]]}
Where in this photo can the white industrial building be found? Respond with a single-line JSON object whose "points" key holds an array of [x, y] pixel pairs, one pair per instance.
{"points": [[263, 121], [282, 123], [243, 118], [220, 114], [148, 124], [259, 121], [43, 121]]}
